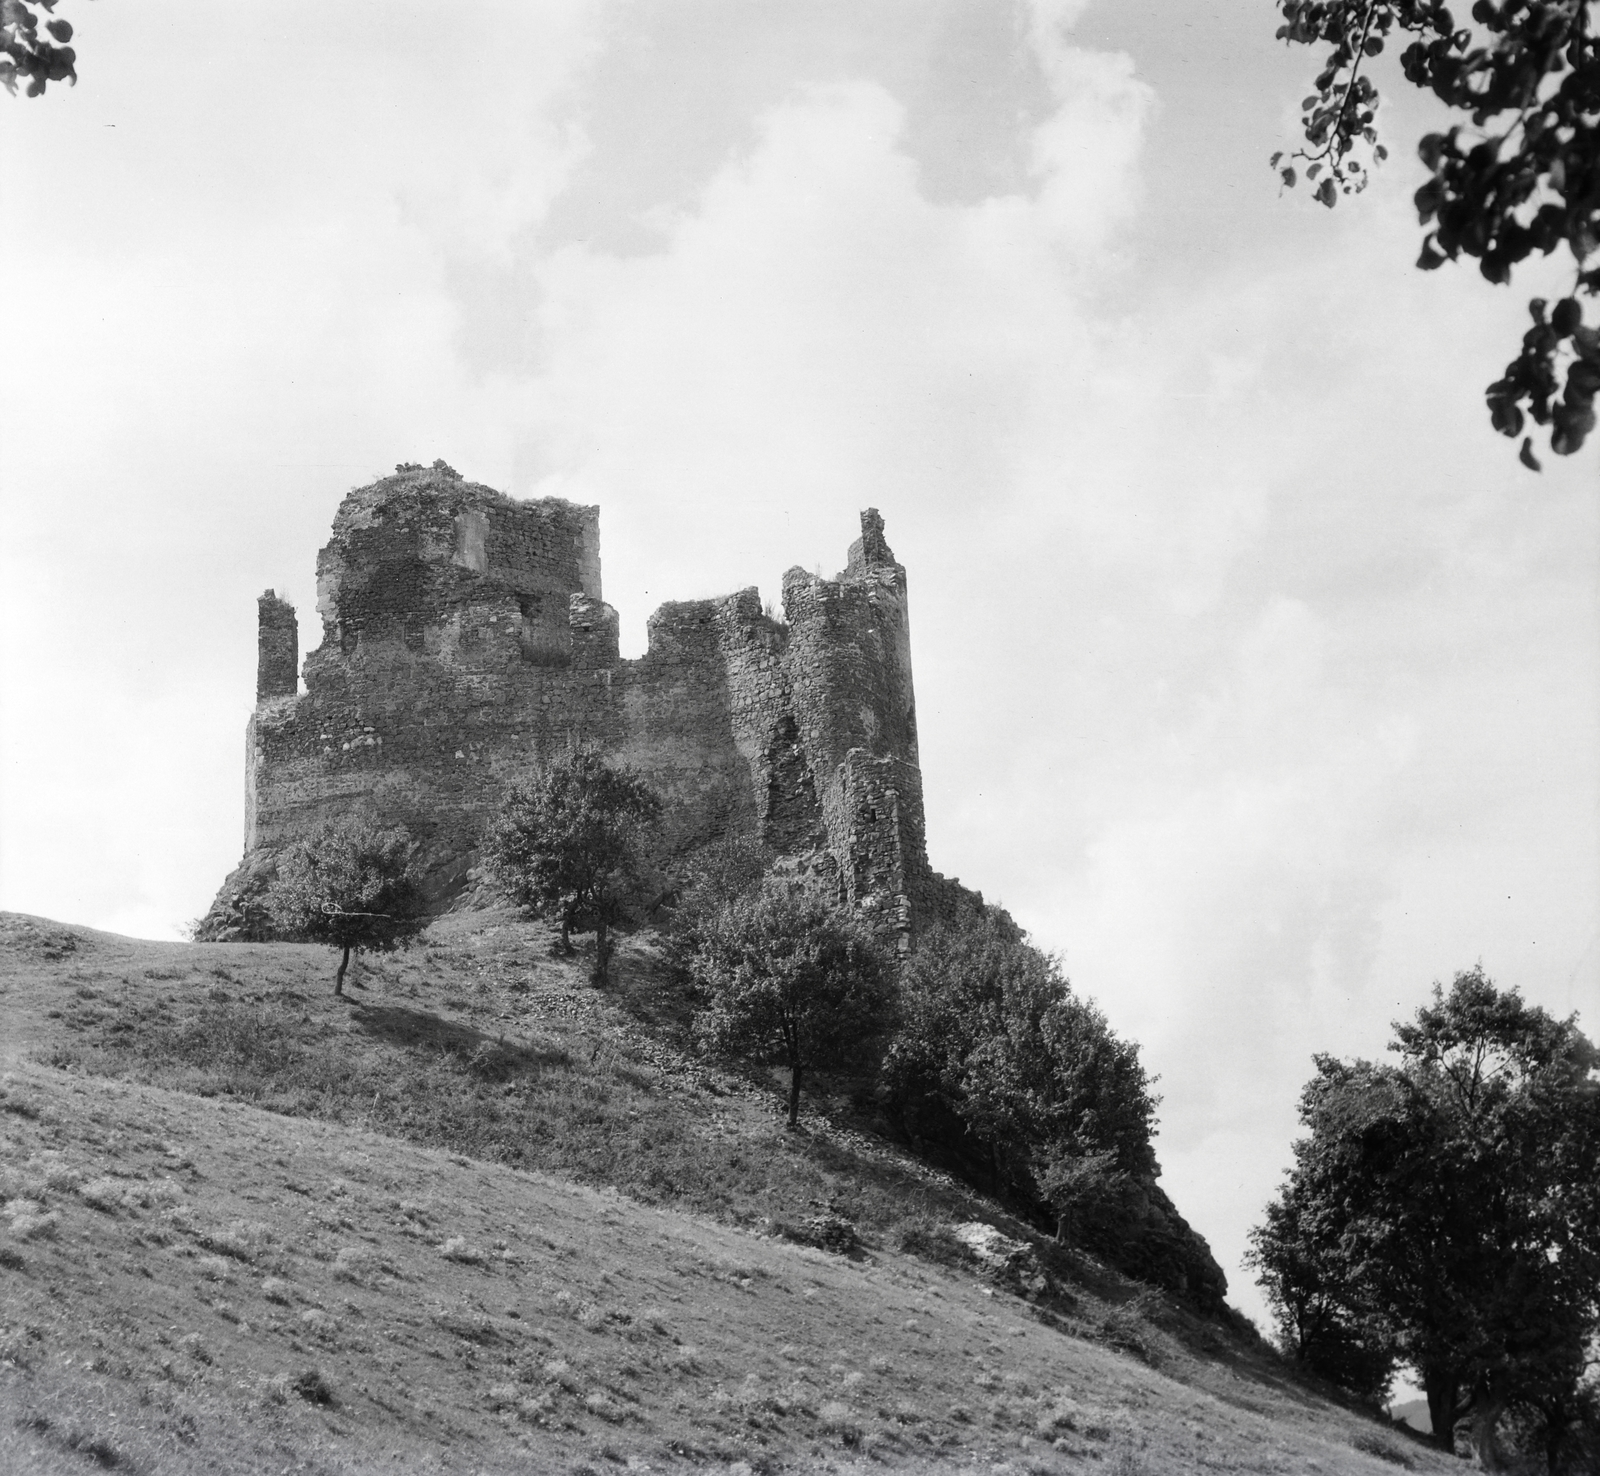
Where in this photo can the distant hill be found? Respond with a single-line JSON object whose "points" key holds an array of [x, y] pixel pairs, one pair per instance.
{"points": [[1413, 1412], [245, 1226]]}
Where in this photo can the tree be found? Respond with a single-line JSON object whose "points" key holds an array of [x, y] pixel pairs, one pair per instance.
{"points": [[1073, 1182], [1519, 174], [569, 839], [791, 982], [1449, 1206], [996, 1054], [25, 54], [1562, 1422], [1001, 1071], [1325, 1326], [351, 886]]}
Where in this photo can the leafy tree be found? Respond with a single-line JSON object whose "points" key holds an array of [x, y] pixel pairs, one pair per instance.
{"points": [[1325, 1327], [791, 982], [1448, 1207], [569, 839], [1073, 1183], [1019, 1085], [994, 1052], [352, 887], [1519, 174], [26, 55], [1561, 1422]]}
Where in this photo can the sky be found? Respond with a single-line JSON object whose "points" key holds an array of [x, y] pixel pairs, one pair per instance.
{"points": [[1254, 676]]}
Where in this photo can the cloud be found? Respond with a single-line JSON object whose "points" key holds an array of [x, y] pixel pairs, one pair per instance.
{"points": [[815, 335]]}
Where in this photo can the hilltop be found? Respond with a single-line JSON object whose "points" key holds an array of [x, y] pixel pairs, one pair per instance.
{"points": [[250, 1227]]}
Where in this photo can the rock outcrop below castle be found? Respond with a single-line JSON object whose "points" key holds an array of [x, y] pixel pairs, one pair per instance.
{"points": [[465, 639]]}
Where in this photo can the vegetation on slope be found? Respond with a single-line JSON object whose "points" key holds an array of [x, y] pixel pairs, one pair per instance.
{"points": [[192, 1284]]}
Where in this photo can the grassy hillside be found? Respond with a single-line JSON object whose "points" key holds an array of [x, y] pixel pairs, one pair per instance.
{"points": [[248, 1227]]}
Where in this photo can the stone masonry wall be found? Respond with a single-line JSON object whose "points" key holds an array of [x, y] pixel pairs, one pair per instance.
{"points": [[465, 639], [277, 648]]}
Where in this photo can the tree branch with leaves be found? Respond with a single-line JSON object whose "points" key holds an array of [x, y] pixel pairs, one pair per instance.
{"points": [[1518, 176], [26, 56]]}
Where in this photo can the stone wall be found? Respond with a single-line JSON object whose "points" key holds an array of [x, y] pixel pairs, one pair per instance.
{"points": [[465, 638], [277, 648]]}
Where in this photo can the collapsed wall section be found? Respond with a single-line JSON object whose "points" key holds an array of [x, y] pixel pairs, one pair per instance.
{"points": [[465, 639]]}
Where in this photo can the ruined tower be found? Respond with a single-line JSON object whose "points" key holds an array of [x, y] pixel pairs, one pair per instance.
{"points": [[277, 648], [465, 638]]}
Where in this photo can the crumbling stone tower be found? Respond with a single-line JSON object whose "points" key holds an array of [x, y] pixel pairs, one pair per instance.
{"points": [[465, 638], [277, 648]]}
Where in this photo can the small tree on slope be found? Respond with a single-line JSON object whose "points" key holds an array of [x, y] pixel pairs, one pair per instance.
{"points": [[352, 887], [569, 839], [792, 982]]}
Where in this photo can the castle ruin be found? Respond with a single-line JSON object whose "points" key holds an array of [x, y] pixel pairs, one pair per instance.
{"points": [[465, 639]]}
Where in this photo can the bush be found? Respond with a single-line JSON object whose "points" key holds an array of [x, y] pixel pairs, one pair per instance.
{"points": [[712, 876], [936, 1242]]}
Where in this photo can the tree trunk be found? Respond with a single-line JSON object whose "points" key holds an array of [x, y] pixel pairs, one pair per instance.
{"points": [[1554, 1431], [1441, 1389], [1486, 1411], [338, 979], [794, 1094], [602, 951], [566, 931]]}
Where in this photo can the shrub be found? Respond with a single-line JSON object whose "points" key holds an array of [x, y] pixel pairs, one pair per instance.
{"points": [[104, 1194], [712, 876], [311, 1386], [827, 1232], [35, 1226], [936, 1242], [840, 1421]]}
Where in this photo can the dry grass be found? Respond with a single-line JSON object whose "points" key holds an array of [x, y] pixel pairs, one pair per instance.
{"points": [[483, 1043], [192, 1283]]}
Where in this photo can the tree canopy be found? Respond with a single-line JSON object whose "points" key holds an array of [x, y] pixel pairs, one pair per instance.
{"points": [[999, 1070], [351, 886], [992, 1036], [790, 981], [27, 56], [568, 839], [1444, 1213], [1518, 175]]}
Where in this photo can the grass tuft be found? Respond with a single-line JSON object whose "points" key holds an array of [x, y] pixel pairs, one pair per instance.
{"points": [[311, 1386], [457, 1249]]}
